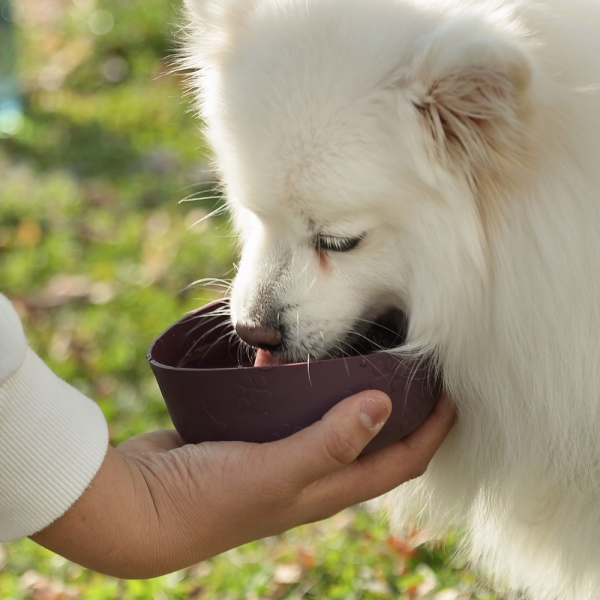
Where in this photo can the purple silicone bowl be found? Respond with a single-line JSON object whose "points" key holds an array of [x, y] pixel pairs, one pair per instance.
{"points": [[213, 392]]}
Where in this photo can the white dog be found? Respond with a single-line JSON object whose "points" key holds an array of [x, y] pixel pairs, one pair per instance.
{"points": [[442, 157]]}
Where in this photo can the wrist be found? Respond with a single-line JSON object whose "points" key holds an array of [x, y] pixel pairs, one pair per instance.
{"points": [[112, 526]]}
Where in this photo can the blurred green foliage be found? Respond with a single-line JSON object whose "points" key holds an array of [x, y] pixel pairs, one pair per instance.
{"points": [[98, 255], [95, 248]]}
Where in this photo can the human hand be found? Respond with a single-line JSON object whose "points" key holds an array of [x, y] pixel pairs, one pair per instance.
{"points": [[158, 505]]}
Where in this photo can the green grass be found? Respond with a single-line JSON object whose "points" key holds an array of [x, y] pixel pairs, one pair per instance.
{"points": [[97, 253]]}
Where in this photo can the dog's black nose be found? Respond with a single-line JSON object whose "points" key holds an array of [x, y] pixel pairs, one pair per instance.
{"points": [[259, 335]]}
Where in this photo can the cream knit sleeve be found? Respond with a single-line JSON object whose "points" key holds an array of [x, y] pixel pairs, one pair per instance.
{"points": [[53, 439]]}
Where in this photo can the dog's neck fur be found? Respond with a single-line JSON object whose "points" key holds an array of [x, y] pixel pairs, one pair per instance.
{"points": [[489, 327]]}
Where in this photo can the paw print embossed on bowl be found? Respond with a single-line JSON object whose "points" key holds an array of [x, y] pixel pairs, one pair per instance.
{"points": [[213, 392]]}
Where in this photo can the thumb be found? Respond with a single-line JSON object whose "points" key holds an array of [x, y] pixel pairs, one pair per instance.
{"points": [[335, 441]]}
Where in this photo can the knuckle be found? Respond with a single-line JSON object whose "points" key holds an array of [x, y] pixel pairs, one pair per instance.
{"points": [[279, 494], [340, 446], [276, 491]]}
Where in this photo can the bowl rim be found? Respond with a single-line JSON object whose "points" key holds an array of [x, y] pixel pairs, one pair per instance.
{"points": [[225, 301]]}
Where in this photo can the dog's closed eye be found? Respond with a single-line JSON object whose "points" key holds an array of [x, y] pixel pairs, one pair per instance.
{"points": [[333, 243]]}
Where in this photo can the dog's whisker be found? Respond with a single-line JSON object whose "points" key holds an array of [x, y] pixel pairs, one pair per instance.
{"points": [[214, 213], [212, 315], [304, 269], [212, 186], [208, 282], [298, 329], [377, 346], [308, 368], [344, 356], [199, 197], [190, 354], [202, 323], [378, 325]]}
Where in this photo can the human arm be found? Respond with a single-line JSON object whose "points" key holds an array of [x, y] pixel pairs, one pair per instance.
{"points": [[158, 505], [53, 439], [154, 504]]}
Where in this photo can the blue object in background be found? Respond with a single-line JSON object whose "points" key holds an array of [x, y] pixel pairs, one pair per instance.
{"points": [[11, 110]]}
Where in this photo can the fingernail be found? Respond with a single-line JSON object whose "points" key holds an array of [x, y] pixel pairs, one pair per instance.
{"points": [[373, 413]]}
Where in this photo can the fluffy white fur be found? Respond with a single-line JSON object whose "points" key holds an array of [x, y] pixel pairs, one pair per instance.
{"points": [[462, 138]]}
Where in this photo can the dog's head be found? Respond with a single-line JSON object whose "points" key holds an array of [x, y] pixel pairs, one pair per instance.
{"points": [[364, 146]]}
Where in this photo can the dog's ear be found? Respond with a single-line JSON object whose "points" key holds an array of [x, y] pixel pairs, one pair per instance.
{"points": [[475, 99]]}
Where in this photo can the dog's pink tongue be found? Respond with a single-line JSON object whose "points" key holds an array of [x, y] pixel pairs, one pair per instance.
{"points": [[266, 359]]}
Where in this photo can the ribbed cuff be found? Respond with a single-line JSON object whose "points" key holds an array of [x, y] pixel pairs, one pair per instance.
{"points": [[53, 440], [13, 346]]}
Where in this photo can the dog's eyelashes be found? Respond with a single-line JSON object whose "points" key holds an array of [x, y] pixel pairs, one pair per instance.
{"points": [[333, 243]]}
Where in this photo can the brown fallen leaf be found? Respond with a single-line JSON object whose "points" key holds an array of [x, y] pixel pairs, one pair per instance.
{"points": [[43, 588], [65, 288]]}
